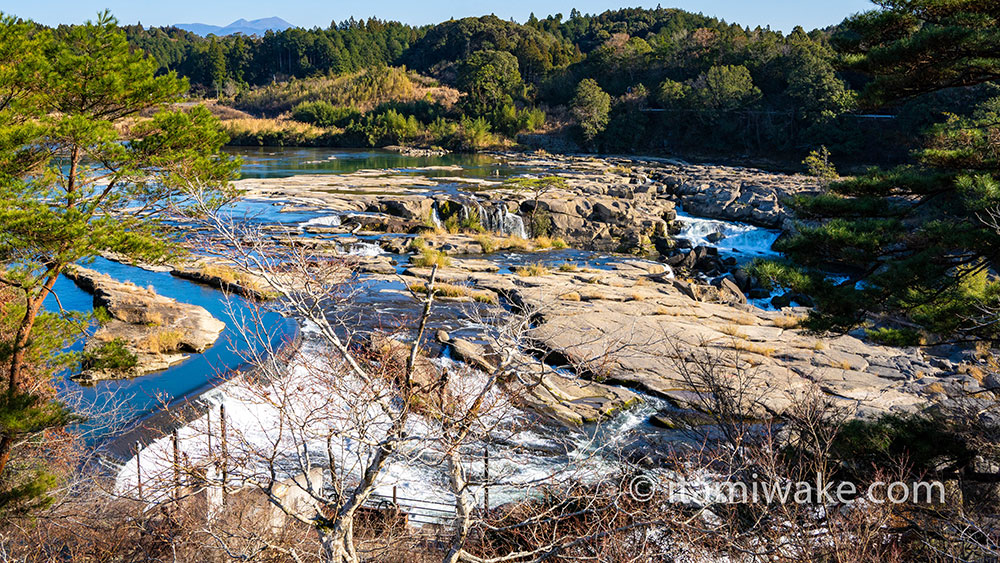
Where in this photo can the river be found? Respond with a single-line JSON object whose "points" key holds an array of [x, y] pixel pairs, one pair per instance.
{"points": [[202, 373]]}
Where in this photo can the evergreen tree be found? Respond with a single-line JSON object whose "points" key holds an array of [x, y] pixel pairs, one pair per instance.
{"points": [[490, 80], [81, 172], [591, 106], [914, 237]]}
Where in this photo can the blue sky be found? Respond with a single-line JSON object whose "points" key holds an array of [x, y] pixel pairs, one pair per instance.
{"points": [[779, 14]]}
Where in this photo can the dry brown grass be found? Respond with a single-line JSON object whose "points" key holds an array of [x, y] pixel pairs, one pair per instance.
{"points": [[732, 330], [251, 126], [549, 242], [429, 257], [571, 296], [975, 372], [225, 274], [455, 291], [531, 270], [154, 319], [787, 321], [753, 347], [163, 341], [935, 387]]}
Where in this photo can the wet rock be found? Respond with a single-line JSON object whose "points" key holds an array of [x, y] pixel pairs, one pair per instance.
{"points": [[473, 354], [673, 419], [742, 280], [226, 277], [414, 208]]}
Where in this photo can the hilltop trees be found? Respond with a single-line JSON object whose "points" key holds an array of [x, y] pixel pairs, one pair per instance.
{"points": [[490, 80], [753, 89], [82, 173]]}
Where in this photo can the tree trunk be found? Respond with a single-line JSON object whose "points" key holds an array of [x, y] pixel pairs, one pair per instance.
{"points": [[17, 359], [337, 546], [463, 507]]}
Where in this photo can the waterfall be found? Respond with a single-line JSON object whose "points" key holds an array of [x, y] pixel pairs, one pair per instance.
{"points": [[493, 216], [435, 218], [499, 219]]}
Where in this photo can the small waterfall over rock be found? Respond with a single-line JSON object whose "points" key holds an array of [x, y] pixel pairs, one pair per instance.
{"points": [[435, 218], [497, 218], [731, 236], [494, 217]]}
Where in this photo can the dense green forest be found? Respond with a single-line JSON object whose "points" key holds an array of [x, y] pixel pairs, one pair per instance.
{"points": [[677, 81]]}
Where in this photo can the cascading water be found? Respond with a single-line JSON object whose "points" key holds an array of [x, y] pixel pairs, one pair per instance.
{"points": [[499, 219], [435, 218], [363, 248], [737, 238], [494, 217]]}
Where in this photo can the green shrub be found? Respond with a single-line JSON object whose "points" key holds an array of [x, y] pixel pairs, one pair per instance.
{"points": [[863, 446], [429, 257], [472, 222], [894, 336], [475, 134], [487, 242], [541, 223], [112, 355], [771, 274], [102, 316], [324, 114], [818, 164], [443, 132], [418, 244], [387, 128]]}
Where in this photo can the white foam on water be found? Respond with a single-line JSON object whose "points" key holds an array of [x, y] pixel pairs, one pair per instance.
{"points": [[436, 219], [323, 221], [363, 248], [740, 238], [259, 417]]}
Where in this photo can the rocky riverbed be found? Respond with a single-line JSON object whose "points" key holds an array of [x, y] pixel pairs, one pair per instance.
{"points": [[669, 292], [635, 327], [649, 290]]}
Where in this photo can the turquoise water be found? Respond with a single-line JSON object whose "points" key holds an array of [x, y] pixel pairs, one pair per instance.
{"points": [[138, 396]]}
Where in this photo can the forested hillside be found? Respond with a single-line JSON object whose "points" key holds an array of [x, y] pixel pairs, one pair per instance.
{"points": [[676, 82]]}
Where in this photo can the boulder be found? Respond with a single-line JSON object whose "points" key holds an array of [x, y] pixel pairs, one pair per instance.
{"points": [[157, 329]]}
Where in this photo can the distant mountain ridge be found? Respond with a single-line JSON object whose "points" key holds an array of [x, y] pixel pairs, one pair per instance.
{"points": [[252, 27]]}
